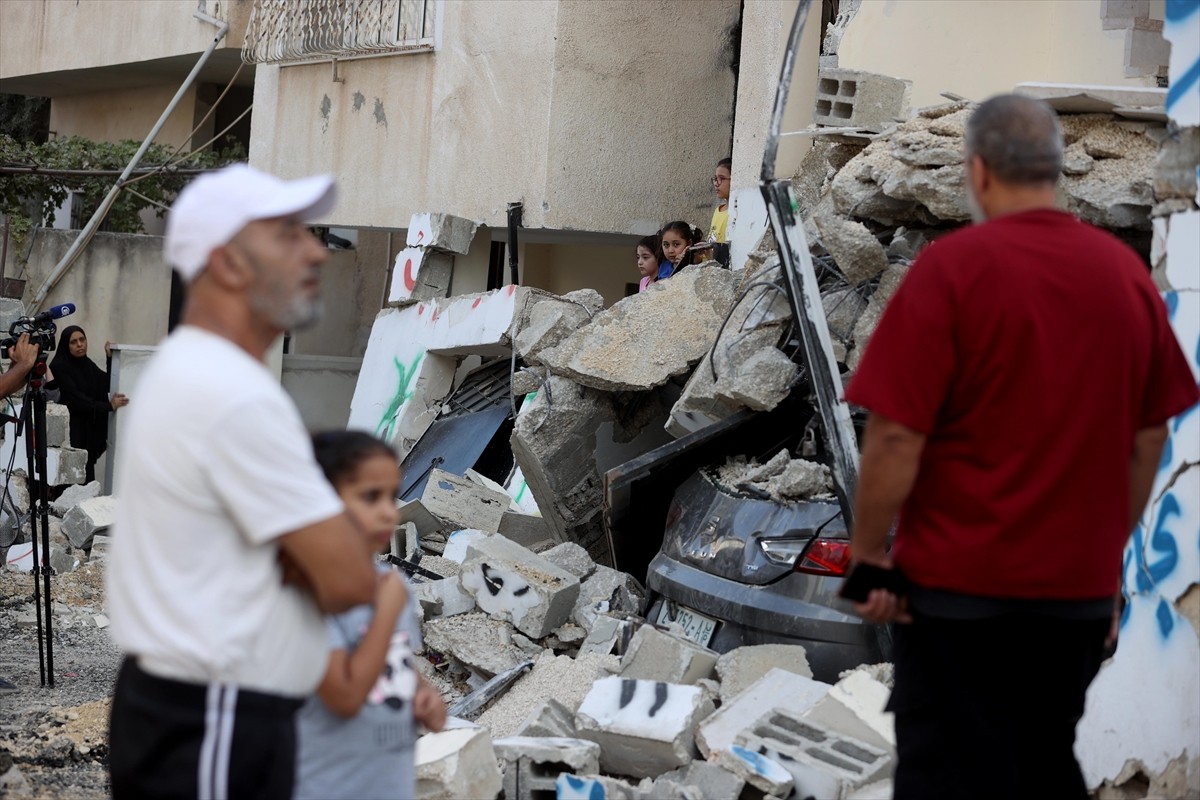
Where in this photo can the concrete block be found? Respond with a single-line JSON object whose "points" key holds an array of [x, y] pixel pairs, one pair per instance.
{"points": [[61, 561], [11, 309], [756, 769], [58, 425], [658, 656], [525, 529], [88, 518], [458, 543], [666, 789], [567, 680], [482, 644], [681, 316], [592, 787], [740, 668], [879, 790], [605, 635], [853, 99], [462, 503], [533, 764], [66, 465], [101, 543], [855, 707], [763, 381], [607, 590], [513, 583], [74, 495], [457, 763], [551, 320], [420, 274], [858, 254], [442, 232], [777, 689], [644, 728], [444, 598], [713, 781], [551, 718], [571, 557], [823, 763]]}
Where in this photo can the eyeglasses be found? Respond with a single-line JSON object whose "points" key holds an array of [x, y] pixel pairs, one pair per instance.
{"points": [[719, 179]]}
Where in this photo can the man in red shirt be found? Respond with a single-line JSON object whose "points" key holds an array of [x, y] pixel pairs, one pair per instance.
{"points": [[1020, 382]]}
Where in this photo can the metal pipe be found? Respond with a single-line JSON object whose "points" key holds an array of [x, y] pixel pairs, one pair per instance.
{"points": [[514, 222], [89, 230]]}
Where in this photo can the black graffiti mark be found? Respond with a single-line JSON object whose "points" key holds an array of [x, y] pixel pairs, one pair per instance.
{"points": [[523, 590], [660, 697], [493, 584], [628, 687]]}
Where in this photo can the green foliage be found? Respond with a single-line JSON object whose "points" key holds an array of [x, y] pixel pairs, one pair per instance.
{"points": [[31, 199], [26, 119]]}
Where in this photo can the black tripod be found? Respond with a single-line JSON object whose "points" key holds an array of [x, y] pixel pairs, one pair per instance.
{"points": [[33, 420]]}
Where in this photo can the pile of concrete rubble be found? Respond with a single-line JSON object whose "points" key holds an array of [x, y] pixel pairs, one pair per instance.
{"points": [[573, 693]]}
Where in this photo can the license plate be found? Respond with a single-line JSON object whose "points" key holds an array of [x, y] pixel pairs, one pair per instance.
{"points": [[695, 625]]}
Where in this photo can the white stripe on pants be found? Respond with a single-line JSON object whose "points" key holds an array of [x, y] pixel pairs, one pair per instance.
{"points": [[219, 708]]}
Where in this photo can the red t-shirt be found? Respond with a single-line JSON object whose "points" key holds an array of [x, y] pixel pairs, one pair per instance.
{"points": [[1029, 350]]}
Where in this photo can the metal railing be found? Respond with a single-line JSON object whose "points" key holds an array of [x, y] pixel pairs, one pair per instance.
{"points": [[282, 31]]}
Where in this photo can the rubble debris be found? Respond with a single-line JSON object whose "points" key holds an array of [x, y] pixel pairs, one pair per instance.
{"points": [[858, 253], [592, 787], [850, 98], [532, 764], [567, 680], [760, 771], [480, 643], [100, 545], [763, 380], [456, 763], [605, 635], [743, 666], [551, 718], [571, 557], [58, 425], [644, 727], [553, 319], [526, 530], [855, 706], [461, 503], [513, 583], [607, 590], [90, 517], [445, 232], [71, 496], [865, 327], [680, 316], [713, 781], [470, 705], [783, 478], [443, 598], [777, 689], [1175, 167], [655, 655]]}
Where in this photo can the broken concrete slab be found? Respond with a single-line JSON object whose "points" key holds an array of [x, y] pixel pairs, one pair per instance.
{"points": [[893, 276], [551, 718], [605, 636], [461, 503], [533, 764], [526, 530], [479, 642], [73, 496], [551, 321], [680, 316], [858, 254], [444, 598], [713, 781], [456, 763], [760, 771], [513, 583], [101, 543], [419, 273], [445, 232], [763, 380], [777, 689], [655, 655], [58, 425], [741, 667], [855, 707], [567, 680], [607, 590], [571, 557], [851, 98], [90, 517], [783, 478], [644, 727]]}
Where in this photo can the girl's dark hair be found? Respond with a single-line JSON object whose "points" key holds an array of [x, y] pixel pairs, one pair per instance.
{"points": [[651, 243], [690, 235], [727, 163], [339, 453]]}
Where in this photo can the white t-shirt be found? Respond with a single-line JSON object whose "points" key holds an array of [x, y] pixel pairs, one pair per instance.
{"points": [[215, 464]]}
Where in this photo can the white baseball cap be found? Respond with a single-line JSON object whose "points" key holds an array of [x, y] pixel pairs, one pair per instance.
{"points": [[211, 210]]}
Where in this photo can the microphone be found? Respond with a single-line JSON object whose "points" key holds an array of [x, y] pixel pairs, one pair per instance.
{"points": [[56, 312]]}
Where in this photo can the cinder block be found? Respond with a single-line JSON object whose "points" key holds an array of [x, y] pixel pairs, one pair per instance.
{"points": [[462, 503], [760, 771], [855, 707], [89, 518], [853, 99], [823, 762], [552, 719], [513, 583], [658, 656], [644, 728], [457, 763], [533, 764], [444, 232], [58, 425], [777, 689]]}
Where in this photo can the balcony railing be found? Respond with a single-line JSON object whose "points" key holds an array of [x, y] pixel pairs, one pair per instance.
{"points": [[283, 31]]}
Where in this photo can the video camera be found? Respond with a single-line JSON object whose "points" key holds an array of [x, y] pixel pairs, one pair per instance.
{"points": [[40, 327]]}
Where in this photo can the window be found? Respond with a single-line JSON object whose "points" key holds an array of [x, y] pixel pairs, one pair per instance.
{"points": [[283, 31]]}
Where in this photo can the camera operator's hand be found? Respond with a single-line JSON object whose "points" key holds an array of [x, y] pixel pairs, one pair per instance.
{"points": [[108, 349], [119, 400], [24, 353]]}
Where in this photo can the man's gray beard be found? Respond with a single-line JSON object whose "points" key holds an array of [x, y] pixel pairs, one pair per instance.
{"points": [[300, 314], [978, 216]]}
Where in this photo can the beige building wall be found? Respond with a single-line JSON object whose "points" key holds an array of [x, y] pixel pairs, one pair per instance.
{"points": [[585, 112], [562, 268], [48, 36], [977, 48], [120, 114]]}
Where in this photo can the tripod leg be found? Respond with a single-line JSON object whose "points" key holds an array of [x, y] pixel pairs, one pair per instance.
{"points": [[27, 415], [39, 428]]}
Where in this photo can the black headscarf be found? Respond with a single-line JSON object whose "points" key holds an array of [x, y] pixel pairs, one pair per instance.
{"points": [[84, 385]]}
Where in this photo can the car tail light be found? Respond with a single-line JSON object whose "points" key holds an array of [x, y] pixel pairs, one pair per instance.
{"points": [[825, 557], [784, 550]]}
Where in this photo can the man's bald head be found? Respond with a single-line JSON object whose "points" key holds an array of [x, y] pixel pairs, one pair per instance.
{"points": [[1018, 138]]}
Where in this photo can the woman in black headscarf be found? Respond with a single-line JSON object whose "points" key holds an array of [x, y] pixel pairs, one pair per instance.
{"points": [[84, 388]]}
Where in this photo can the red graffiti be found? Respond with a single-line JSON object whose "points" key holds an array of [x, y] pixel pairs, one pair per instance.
{"points": [[409, 282], [437, 312], [420, 236], [420, 309], [478, 300], [512, 287]]}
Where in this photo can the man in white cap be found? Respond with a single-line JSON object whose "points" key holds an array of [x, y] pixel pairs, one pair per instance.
{"points": [[229, 542]]}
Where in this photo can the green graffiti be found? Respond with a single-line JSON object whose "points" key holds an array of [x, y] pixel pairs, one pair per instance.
{"points": [[387, 423]]}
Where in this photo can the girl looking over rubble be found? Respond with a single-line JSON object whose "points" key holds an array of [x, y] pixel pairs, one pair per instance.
{"points": [[677, 237], [649, 254], [84, 391], [356, 738]]}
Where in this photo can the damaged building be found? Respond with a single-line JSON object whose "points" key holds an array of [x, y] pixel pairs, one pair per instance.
{"points": [[568, 445]]}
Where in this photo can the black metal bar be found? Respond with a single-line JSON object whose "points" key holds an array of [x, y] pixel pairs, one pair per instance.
{"points": [[28, 417], [413, 569], [43, 504], [514, 221]]}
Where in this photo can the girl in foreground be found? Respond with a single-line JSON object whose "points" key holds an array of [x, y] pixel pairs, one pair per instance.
{"points": [[357, 736]]}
